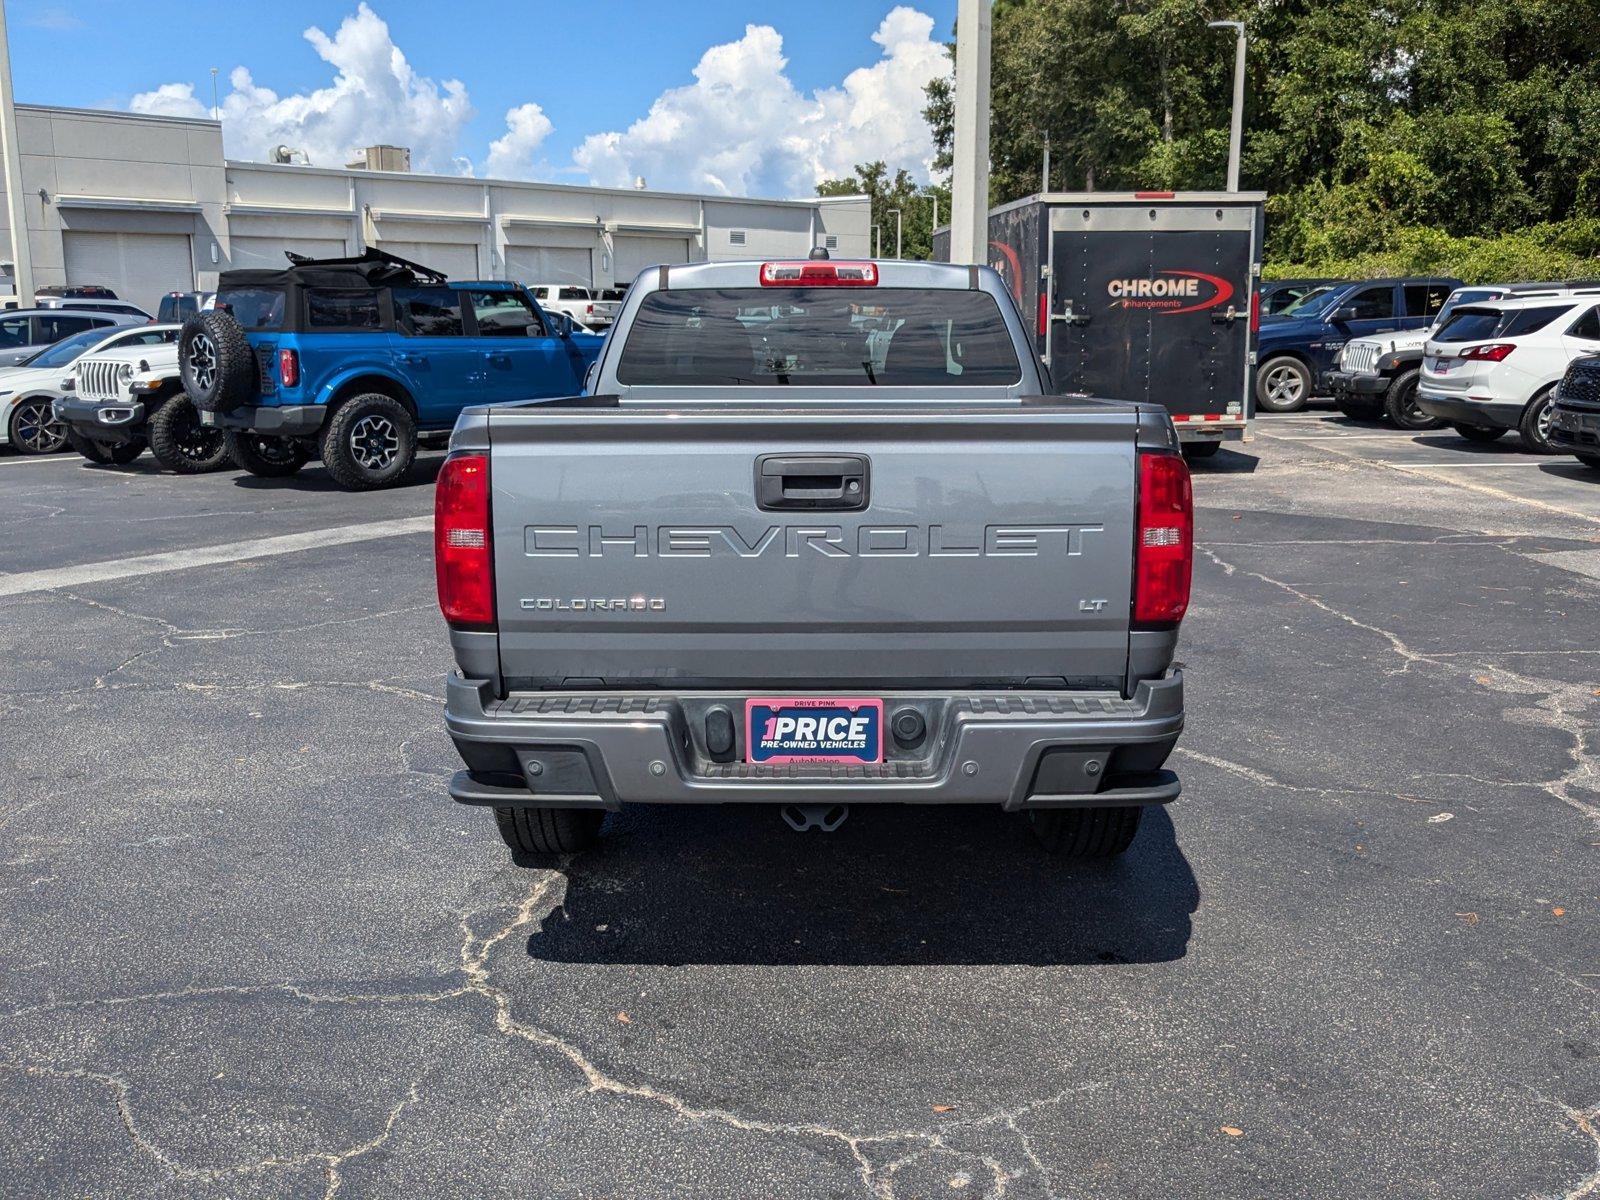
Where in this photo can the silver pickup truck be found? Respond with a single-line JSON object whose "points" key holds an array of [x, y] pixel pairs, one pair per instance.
{"points": [[814, 537]]}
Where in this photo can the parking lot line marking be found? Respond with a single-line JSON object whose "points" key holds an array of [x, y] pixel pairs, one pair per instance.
{"points": [[44, 460], [207, 556]]}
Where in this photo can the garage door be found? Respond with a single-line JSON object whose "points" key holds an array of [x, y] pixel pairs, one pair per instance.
{"points": [[141, 267], [267, 252], [635, 252], [549, 264], [454, 259]]}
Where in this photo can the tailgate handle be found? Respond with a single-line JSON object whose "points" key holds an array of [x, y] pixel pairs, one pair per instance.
{"points": [[815, 482]]}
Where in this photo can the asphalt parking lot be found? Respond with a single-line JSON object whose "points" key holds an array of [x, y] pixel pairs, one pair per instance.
{"points": [[249, 948]]}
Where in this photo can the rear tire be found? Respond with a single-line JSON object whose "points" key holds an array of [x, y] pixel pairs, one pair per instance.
{"points": [[369, 442], [1534, 428], [1283, 385], [1400, 405], [265, 457], [180, 443], [549, 830], [1086, 832], [1479, 433]]}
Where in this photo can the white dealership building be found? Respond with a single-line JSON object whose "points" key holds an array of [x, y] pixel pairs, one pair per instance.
{"points": [[147, 205]]}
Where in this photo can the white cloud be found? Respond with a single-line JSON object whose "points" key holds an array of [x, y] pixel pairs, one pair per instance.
{"points": [[742, 128], [512, 156], [375, 97]]}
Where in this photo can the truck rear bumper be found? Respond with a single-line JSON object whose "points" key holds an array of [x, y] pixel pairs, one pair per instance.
{"points": [[1018, 750]]}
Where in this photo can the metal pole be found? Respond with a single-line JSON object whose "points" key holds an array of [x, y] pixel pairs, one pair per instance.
{"points": [[935, 224], [969, 180], [897, 231], [216, 112], [1236, 125], [1044, 185], [877, 234], [21, 252]]}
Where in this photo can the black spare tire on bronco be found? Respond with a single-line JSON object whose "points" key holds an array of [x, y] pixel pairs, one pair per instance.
{"points": [[216, 362]]}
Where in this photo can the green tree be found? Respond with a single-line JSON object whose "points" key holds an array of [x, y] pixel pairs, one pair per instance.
{"points": [[916, 204]]}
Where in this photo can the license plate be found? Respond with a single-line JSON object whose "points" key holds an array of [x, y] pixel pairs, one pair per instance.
{"points": [[787, 729], [1441, 366]]}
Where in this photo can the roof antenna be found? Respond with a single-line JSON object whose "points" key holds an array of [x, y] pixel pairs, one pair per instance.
{"points": [[818, 254]]}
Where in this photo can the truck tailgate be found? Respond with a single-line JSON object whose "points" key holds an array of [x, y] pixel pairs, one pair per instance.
{"points": [[986, 545]]}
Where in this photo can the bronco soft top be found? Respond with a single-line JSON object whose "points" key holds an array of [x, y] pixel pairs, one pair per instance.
{"points": [[371, 268]]}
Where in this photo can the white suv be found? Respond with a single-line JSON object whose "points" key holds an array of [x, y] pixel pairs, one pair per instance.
{"points": [[1494, 366], [593, 308]]}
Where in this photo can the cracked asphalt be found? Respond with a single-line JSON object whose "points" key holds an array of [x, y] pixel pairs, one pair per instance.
{"points": [[249, 948]]}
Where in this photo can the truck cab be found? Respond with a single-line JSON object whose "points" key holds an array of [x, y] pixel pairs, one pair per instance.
{"points": [[1297, 349], [353, 359]]}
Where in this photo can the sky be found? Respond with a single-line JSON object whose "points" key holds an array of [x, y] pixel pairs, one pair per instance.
{"points": [[744, 99]]}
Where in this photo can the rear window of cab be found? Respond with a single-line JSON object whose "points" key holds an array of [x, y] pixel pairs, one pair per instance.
{"points": [[819, 337]]}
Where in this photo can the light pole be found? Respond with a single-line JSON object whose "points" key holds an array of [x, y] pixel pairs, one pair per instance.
{"points": [[897, 231], [1044, 175], [216, 112], [877, 241], [969, 177], [1236, 129]]}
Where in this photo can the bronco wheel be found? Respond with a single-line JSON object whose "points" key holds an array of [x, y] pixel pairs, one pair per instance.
{"points": [[1400, 405], [1535, 425], [369, 442], [268, 457], [1283, 385], [1086, 832], [180, 443], [33, 430], [549, 830], [216, 362], [1479, 433]]}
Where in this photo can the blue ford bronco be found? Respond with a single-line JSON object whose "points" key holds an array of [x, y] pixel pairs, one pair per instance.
{"points": [[352, 359]]}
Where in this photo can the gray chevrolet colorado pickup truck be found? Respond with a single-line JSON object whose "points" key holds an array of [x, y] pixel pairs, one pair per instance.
{"points": [[814, 536]]}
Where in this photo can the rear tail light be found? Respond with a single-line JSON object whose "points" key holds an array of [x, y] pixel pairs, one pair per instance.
{"points": [[1164, 553], [819, 274], [589, 308], [1044, 311], [289, 367], [1493, 352], [1255, 310], [462, 549]]}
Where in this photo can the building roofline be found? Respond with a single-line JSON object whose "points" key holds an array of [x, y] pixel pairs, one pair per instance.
{"points": [[120, 114]]}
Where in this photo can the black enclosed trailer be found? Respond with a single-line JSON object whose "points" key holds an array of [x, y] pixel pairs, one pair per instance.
{"points": [[1140, 296]]}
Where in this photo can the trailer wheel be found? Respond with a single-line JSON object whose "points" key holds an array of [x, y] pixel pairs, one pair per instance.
{"points": [[1086, 832], [1201, 449], [1283, 385]]}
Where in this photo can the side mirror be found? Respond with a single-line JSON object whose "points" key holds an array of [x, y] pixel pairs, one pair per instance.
{"points": [[561, 323], [1347, 313]]}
